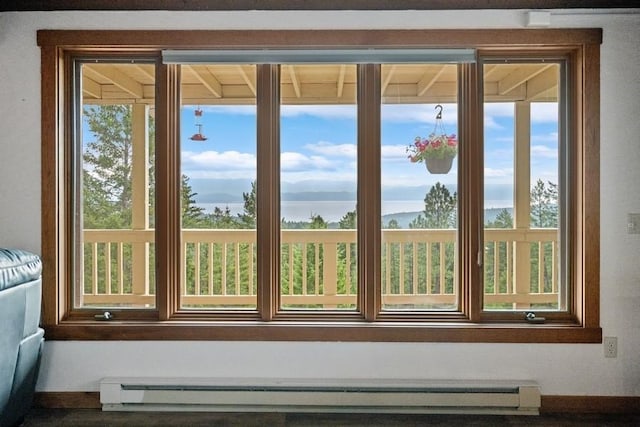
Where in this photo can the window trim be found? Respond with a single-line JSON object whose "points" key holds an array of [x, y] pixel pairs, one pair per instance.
{"points": [[61, 323]]}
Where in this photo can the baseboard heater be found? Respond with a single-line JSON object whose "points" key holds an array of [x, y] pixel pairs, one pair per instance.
{"points": [[319, 395]]}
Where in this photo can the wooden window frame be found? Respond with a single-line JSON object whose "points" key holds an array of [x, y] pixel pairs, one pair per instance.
{"points": [[267, 323]]}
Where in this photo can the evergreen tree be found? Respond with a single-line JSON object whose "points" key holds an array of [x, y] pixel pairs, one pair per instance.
{"points": [[348, 221], [107, 167], [393, 224], [439, 209], [192, 214], [503, 220], [317, 222], [544, 214], [544, 205], [350, 263], [248, 216]]}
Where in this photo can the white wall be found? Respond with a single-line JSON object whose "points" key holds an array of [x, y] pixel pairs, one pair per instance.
{"points": [[560, 369]]}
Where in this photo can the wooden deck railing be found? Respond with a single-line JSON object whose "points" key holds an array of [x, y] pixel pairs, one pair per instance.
{"points": [[318, 268]]}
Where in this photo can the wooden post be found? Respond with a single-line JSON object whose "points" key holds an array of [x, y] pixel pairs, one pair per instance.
{"points": [[522, 198], [140, 196], [329, 271]]}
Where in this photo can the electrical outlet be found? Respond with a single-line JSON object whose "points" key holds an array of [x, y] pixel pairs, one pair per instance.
{"points": [[633, 223], [610, 346]]}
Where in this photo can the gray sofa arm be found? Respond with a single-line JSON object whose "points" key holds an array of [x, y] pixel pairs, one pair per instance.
{"points": [[21, 338]]}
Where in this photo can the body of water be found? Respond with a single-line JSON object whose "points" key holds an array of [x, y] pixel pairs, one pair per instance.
{"points": [[333, 211]]}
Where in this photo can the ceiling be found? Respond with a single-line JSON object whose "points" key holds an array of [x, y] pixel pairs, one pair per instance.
{"points": [[228, 84]]}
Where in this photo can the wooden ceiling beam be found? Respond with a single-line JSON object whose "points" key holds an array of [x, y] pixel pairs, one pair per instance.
{"points": [[145, 71], [120, 79], [247, 79], [387, 79], [542, 83], [428, 79], [521, 75], [207, 79], [294, 80], [340, 84], [91, 88]]}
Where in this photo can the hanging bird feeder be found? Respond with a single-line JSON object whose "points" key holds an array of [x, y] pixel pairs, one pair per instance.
{"points": [[198, 136]]}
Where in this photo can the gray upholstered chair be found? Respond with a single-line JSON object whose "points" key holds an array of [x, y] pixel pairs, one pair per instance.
{"points": [[21, 338]]}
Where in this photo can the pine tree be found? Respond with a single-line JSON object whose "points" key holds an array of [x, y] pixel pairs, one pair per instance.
{"points": [[544, 205], [192, 214], [248, 216], [107, 164], [439, 209]]}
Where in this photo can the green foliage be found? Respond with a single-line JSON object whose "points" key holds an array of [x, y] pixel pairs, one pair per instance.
{"points": [[544, 214], [418, 264], [192, 215], [107, 167], [348, 257], [248, 216], [439, 209], [348, 221], [503, 220], [393, 225], [544, 205], [107, 191]]}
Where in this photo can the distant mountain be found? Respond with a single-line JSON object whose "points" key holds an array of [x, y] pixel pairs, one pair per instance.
{"points": [[230, 191], [319, 196], [491, 214], [221, 198], [403, 218]]}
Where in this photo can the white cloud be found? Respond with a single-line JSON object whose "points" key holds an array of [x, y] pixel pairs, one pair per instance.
{"points": [[394, 152], [544, 151], [550, 137], [490, 123], [493, 110], [544, 112], [292, 161], [498, 109], [508, 140], [541, 112], [294, 177], [498, 173], [322, 111], [423, 113], [214, 160], [350, 151], [333, 150]]}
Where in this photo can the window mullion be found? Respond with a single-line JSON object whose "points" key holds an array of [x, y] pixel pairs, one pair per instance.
{"points": [[369, 182], [268, 189], [168, 233], [470, 179]]}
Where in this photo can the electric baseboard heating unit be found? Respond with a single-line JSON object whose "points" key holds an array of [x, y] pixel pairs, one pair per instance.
{"points": [[319, 395]]}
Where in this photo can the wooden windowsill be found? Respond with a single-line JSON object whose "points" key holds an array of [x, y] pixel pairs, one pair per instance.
{"points": [[324, 331]]}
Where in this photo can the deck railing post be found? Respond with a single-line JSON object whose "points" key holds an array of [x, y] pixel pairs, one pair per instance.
{"points": [[522, 198], [140, 197]]}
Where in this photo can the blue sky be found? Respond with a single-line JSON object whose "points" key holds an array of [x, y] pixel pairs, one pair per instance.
{"points": [[318, 147]]}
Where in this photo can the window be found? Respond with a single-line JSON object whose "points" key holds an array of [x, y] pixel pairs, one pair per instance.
{"points": [[114, 183], [525, 140], [393, 192], [218, 168]]}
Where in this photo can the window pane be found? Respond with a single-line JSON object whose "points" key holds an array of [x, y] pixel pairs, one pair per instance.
{"points": [[115, 163], [521, 142], [318, 254], [419, 181], [218, 155]]}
